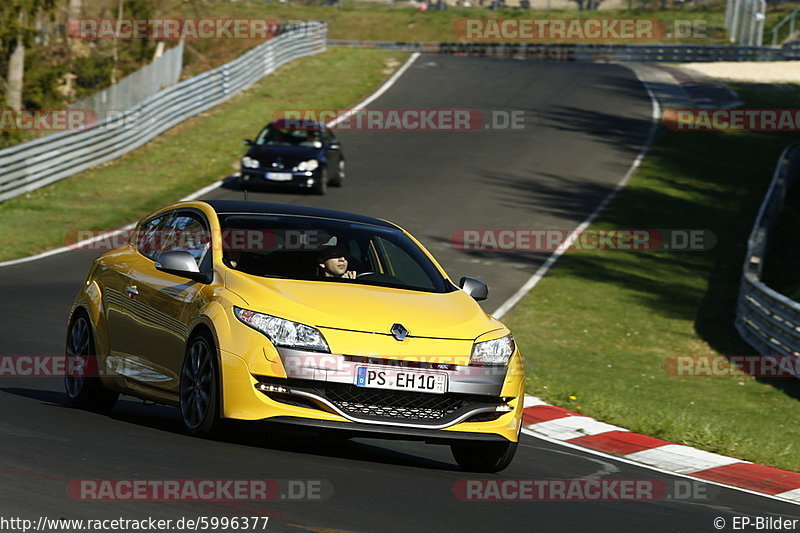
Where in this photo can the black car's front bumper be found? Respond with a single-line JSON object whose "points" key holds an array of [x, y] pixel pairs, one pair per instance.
{"points": [[260, 178]]}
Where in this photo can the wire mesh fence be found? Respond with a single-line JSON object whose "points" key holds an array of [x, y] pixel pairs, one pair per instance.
{"points": [[37, 163]]}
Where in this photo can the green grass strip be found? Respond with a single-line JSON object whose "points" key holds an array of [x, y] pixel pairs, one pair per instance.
{"points": [[596, 332], [188, 157]]}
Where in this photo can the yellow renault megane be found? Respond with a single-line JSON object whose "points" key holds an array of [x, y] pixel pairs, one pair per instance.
{"points": [[296, 315]]}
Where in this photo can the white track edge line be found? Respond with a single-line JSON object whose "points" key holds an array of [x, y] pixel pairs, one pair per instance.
{"points": [[540, 273], [205, 190], [622, 459], [558, 252]]}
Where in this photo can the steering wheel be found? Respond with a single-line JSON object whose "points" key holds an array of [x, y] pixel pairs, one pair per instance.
{"points": [[364, 274]]}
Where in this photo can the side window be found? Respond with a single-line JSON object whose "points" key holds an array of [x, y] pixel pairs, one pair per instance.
{"points": [[186, 232], [149, 239], [399, 264]]}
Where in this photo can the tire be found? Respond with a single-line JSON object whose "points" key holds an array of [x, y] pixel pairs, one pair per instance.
{"points": [[199, 387], [483, 457], [81, 382], [338, 181], [321, 186]]}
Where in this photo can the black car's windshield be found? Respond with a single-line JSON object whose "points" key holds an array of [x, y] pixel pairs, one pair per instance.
{"points": [[307, 248], [274, 136]]}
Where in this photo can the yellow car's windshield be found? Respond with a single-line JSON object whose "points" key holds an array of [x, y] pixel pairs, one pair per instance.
{"points": [[308, 248]]}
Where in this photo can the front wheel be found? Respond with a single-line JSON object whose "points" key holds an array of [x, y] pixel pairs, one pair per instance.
{"points": [[199, 388], [81, 382], [321, 185], [340, 173], [483, 457]]}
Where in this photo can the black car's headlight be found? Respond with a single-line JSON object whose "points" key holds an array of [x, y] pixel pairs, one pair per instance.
{"points": [[496, 352], [311, 164], [284, 332], [249, 162]]}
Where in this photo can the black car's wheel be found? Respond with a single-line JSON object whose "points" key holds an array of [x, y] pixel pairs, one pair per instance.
{"points": [[199, 387], [81, 381], [483, 457], [340, 173], [321, 185]]}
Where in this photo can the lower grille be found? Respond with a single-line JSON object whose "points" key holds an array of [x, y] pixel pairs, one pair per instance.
{"points": [[411, 406], [386, 405]]}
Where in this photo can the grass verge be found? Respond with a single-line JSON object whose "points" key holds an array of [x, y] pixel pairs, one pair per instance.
{"points": [[403, 22], [187, 157], [598, 329]]}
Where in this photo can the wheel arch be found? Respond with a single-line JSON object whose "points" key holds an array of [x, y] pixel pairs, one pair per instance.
{"points": [[205, 325]]}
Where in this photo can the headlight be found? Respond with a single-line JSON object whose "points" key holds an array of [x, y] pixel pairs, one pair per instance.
{"points": [[311, 164], [496, 352], [284, 332], [249, 162]]}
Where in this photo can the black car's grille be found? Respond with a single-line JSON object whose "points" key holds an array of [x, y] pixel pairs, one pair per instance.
{"points": [[386, 405]]}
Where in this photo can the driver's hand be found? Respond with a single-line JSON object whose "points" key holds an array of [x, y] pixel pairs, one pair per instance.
{"points": [[350, 274]]}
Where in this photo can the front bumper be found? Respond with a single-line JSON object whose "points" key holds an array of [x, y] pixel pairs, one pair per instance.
{"points": [[296, 179], [382, 432], [486, 404]]}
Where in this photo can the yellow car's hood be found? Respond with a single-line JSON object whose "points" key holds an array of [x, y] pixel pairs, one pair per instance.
{"points": [[365, 308]]}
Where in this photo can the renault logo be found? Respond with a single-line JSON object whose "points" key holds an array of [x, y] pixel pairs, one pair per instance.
{"points": [[399, 332]]}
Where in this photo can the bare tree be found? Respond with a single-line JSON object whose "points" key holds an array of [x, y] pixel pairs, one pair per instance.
{"points": [[588, 5], [18, 21], [75, 9]]}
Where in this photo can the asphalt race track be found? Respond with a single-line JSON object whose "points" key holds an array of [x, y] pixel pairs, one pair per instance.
{"points": [[585, 124]]}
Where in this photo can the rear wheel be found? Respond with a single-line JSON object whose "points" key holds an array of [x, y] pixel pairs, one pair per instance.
{"points": [[482, 456], [199, 388], [81, 381]]}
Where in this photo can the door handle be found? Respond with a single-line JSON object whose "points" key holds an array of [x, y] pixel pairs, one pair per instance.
{"points": [[131, 290]]}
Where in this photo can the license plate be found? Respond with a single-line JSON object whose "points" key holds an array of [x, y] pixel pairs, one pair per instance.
{"points": [[279, 176], [381, 378]]}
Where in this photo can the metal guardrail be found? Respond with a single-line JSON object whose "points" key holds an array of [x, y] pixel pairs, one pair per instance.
{"points": [[766, 319], [683, 53], [791, 20], [31, 165]]}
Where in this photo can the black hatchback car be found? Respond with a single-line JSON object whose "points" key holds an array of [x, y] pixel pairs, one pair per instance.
{"points": [[293, 154]]}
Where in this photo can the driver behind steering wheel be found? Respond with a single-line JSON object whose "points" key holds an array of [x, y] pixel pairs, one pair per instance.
{"points": [[333, 264]]}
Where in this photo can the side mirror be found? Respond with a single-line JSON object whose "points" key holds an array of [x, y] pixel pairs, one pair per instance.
{"points": [[474, 287], [181, 264], [249, 142]]}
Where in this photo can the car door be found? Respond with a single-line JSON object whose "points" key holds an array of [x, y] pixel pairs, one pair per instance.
{"points": [[165, 303], [113, 277]]}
